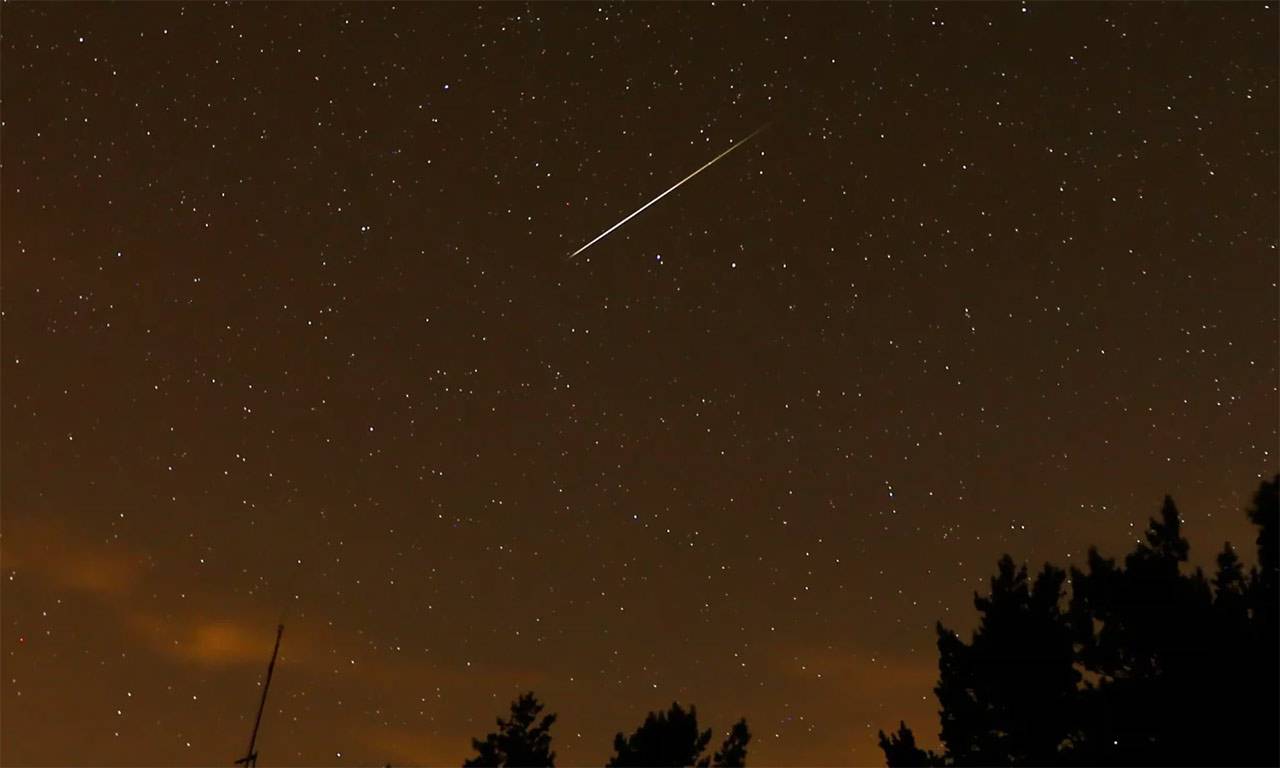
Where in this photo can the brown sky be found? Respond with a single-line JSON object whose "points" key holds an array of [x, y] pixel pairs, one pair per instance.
{"points": [[288, 330]]}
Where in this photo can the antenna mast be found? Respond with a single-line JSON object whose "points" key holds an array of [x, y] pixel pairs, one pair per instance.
{"points": [[250, 760]]}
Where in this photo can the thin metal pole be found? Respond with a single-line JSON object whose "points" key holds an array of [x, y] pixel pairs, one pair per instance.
{"points": [[251, 757]]}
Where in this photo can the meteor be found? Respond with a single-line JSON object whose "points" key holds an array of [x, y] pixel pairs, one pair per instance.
{"points": [[673, 188]]}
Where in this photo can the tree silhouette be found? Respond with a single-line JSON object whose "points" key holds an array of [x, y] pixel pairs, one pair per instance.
{"points": [[518, 741], [665, 740], [1007, 695], [1150, 665], [1266, 515], [1146, 632], [733, 752], [900, 750], [1261, 704]]}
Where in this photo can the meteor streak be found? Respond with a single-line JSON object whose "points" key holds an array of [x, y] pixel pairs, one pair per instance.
{"points": [[709, 163]]}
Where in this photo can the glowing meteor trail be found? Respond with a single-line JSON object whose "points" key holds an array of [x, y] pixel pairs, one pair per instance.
{"points": [[673, 188]]}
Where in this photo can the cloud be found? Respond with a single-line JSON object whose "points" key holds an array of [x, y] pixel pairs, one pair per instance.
{"points": [[410, 745], [68, 560], [214, 642], [49, 551]]}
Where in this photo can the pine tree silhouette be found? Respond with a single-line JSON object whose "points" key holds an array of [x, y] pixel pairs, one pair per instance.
{"points": [[518, 743], [733, 751], [1145, 632], [900, 750], [1260, 704], [1007, 695], [665, 740], [1265, 514]]}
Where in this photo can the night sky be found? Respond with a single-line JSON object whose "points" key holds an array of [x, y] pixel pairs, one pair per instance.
{"points": [[289, 329]]}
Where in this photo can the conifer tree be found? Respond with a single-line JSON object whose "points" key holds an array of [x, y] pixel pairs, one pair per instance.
{"points": [[668, 739], [521, 742], [733, 751]]}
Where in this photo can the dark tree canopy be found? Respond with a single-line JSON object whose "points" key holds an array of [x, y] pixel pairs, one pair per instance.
{"points": [[900, 750], [521, 741], [1149, 665], [733, 751], [1006, 695], [1265, 515], [668, 739]]}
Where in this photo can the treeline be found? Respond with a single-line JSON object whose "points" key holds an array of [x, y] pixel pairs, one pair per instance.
{"points": [[669, 738], [1144, 663], [1135, 663]]}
